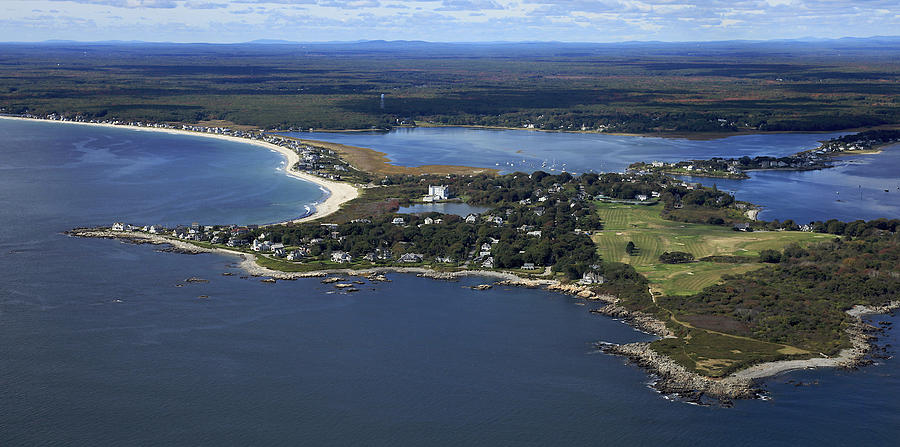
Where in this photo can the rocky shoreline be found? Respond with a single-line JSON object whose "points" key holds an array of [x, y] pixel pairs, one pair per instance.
{"points": [[675, 379], [671, 377]]}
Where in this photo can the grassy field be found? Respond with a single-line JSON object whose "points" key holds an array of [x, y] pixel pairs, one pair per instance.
{"points": [[653, 235], [714, 353]]}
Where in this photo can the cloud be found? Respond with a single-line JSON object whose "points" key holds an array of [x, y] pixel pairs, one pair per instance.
{"points": [[449, 20], [205, 5], [167, 4], [468, 5]]}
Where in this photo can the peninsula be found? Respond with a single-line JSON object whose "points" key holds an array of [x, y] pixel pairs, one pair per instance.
{"points": [[627, 240], [811, 159]]}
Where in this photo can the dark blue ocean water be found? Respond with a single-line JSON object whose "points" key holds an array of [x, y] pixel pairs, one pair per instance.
{"points": [[99, 347], [852, 190]]}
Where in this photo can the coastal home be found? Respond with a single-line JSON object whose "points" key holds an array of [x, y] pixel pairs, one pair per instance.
{"points": [[488, 263], [341, 257], [536, 233], [118, 226], [742, 227], [261, 246], [641, 197], [472, 218], [398, 221], [295, 255], [428, 221], [444, 259], [589, 278], [411, 257], [279, 252], [486, 247], [235, 242], [528, 266]]}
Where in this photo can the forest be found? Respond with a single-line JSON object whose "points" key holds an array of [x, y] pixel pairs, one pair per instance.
{"points": [[719, 87]]}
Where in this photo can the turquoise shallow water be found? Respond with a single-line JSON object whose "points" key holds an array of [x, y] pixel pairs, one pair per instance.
{"points": [[854, 189], [99, 347]]}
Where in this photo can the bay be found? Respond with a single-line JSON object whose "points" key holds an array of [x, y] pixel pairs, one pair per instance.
{"points": [[854, 189]]}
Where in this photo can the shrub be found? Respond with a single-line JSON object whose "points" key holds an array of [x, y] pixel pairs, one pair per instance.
{"points": [[676, 257]]}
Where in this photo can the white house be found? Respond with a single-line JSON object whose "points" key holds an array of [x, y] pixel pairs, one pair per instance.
{"points": [[341, 257], [591, 278], [429, 221], [398, 221], [411, 257], [528, 266], [118, 226], [296, 255], [472, 218]]}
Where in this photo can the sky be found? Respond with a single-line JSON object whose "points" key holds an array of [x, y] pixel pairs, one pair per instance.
{"points": [[221, 21]]}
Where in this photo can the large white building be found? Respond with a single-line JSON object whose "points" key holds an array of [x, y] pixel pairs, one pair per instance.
{"points": [[437, 192]]}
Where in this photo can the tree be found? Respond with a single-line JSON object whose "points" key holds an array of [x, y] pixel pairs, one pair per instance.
{"points": [[770, 256], [676, 257], [630, 248]]}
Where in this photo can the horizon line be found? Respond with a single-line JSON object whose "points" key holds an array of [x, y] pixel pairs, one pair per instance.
{"points": [[265, 41]]}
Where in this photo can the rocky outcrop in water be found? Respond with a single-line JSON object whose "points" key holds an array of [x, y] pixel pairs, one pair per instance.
{"points": [[675, 379]]}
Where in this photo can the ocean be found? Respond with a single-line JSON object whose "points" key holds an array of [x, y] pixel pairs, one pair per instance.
{"points": [[104, 343]]}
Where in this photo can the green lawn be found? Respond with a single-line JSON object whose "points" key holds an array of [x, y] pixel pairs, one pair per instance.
{"points": [[653, 235]]}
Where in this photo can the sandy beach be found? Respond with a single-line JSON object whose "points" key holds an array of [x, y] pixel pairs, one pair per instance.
{"points": [[337, 193]]}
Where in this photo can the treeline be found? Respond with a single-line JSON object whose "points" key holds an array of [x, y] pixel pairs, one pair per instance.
{"points": [[293, 86], [856, 228]]}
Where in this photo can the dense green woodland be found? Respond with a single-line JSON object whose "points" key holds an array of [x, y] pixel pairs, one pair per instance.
{"points": [[802, 300], [642, 88]]}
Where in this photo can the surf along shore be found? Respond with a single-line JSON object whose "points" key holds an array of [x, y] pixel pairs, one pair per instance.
{"points": [[336, 193], [673, 378]]}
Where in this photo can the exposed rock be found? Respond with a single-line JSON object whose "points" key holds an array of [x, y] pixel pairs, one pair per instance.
{"points": [[448, 276], [330, 280], [640, 320], [675, 379], [586, 294], [194, 279], [482, 287]]}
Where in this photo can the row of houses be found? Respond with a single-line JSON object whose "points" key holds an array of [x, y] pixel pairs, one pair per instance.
{"points": [[309, 155]]}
